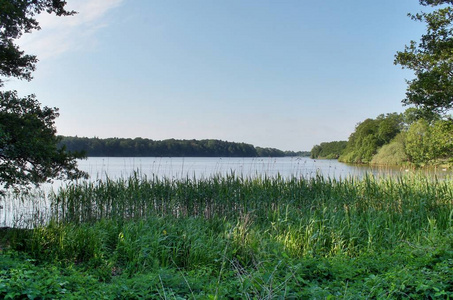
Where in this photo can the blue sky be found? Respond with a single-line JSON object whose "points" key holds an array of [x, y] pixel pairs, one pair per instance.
{"points": [[283, 74]]}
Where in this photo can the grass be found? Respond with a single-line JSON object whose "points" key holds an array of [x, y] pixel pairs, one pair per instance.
{"points": [[233, 237]]}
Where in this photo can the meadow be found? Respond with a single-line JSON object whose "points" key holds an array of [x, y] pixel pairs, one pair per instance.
{"points": [[237, 237]]}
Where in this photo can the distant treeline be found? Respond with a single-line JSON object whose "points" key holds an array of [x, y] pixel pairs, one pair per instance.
{"points": [[328, 150], [139, 147]]}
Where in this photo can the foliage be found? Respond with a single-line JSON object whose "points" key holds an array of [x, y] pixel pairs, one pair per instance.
{"points": [[244, 239], [442, 139], [415, 137], [330, 150], [431, 60], [29, 151], [272, 152], [413, 114], [16, 18], [370, 135], [393, 153], [427, 143], [416, 272], [140, 147], [418, 142]]}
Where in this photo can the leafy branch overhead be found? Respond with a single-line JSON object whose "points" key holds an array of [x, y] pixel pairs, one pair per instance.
{"points": [[29, 147], [17, 18], [431, 59]]}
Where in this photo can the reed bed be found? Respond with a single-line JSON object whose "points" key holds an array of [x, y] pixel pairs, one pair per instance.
{"points": [[236, 237], [306, 215]]}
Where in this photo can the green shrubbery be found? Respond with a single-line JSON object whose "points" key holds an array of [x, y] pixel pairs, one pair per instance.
{"points": [[392, 154]]}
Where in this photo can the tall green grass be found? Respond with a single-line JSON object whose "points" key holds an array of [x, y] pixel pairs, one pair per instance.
{"points": [[255, 237], [317, 216]]}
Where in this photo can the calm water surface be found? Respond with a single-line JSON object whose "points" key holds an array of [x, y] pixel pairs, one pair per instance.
{"points": [[202, 167]]}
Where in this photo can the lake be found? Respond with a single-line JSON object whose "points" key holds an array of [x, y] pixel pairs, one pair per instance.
{"points": [[22, 209], [202, 167]]}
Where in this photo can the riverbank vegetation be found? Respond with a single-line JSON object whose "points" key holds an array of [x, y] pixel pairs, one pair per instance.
{"points": [[237, 238], [328, 150], [140, 147], [410, 138], [401, 138]]}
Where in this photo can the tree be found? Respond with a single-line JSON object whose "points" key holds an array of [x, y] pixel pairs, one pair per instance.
{"points": [[17, 18], [431, 60], [430, 143], [369, 136], [29, 151], [329, 150], [442, 139], [418, 142], [413, 114], [389, 126]]}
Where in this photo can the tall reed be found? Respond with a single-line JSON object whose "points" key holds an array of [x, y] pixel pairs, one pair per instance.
{"points": [[317, 216], [266, 237]]}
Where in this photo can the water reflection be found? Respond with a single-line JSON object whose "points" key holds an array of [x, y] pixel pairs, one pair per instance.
{"points": [[202, 167]]}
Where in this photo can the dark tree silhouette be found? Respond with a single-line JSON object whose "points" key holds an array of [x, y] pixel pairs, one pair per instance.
{"points": [[29, 147]]}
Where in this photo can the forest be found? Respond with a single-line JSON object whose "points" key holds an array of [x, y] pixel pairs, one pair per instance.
{"points": [[140, 147], [411, 138], [328, 150]]}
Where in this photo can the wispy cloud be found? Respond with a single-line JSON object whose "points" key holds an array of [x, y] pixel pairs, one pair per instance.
{"points": [[73, 33]]}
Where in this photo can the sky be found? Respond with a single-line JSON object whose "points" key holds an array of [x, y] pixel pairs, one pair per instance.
{"points": [[287, 74]]}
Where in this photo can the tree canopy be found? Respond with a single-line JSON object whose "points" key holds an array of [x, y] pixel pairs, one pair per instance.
{"points": [[29, 148], [370, 135], [431, 60], [16, 18]]}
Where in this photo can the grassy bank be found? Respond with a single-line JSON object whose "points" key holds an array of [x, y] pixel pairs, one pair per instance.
{"points": [[238, 238]]}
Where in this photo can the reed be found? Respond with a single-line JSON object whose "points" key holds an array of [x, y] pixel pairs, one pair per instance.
{"points": [[307, 216], [267, 235]]}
